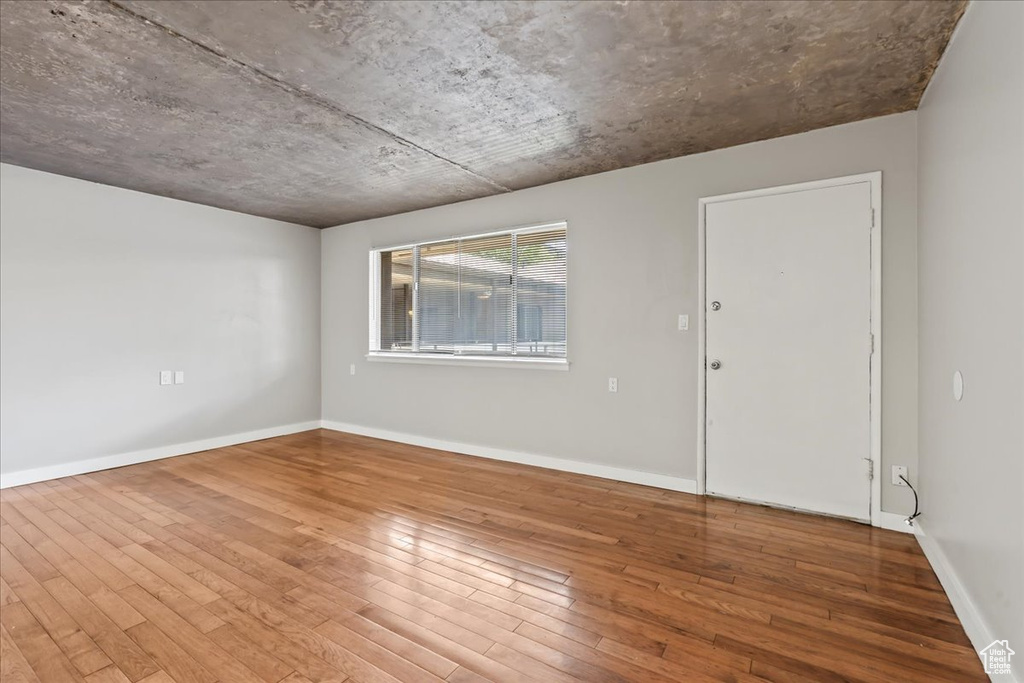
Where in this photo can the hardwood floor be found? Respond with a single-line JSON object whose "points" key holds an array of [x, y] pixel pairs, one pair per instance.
{"points": [[328, 557]]}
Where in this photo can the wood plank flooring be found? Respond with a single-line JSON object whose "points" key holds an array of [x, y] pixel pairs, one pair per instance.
{"points": [[329, 557]]}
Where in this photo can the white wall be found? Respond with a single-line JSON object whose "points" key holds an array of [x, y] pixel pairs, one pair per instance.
{"points": [[101, 288], [632, 270], [971, 143]]}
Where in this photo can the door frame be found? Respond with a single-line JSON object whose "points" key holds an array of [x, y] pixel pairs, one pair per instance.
{"points": [[875, 181]]}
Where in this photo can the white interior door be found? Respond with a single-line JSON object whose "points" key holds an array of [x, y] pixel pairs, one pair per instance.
{"points": [[788, 345]]}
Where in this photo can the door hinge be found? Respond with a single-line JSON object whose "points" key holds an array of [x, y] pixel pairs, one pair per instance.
{"points": [[871, 468], [872, 218], [872, 344]]}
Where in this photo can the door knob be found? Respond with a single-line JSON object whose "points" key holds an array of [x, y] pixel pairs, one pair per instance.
{"points": [[715, 305], [715, 364]]}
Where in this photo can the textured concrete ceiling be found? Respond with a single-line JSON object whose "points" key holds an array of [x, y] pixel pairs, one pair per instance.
{"points": [[328, 112]]}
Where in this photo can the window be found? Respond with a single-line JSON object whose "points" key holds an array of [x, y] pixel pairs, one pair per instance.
{"points": [[499, 296]]}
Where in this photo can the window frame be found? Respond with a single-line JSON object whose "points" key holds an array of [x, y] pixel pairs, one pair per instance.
{"points": [[375, 354]]}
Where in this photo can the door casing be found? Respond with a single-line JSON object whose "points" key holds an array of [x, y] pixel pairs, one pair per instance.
{"points": [[875, 181]]}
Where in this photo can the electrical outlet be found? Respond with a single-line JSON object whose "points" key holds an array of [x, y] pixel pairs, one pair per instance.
{"points": [[897, 470], [166, 377], [613, 384], [179, 376], [352, 369]]}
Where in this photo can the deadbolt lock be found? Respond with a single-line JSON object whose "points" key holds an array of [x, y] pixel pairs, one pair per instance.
{"points": [[715, 305]]}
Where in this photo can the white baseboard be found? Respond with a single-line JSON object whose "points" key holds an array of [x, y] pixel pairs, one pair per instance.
{"points": [[977, 628], [894, 522], [661, 481], [106, 462], [887, 520]]}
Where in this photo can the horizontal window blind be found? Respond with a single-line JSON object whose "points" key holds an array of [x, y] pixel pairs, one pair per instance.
{"points": [[438, 295], [540, 294], [501, 294]]}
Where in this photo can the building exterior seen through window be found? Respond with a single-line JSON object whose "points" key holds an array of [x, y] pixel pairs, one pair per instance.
{"points": [[501, 294]]}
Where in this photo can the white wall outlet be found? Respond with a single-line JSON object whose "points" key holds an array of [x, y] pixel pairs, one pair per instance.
{"points": [[352, 369], [166, 377], [684, 322], [613, 384], [897, 470], [179, 376]]}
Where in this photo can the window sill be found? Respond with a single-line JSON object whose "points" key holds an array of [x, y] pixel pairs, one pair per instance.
{"points": [[525, 363]]}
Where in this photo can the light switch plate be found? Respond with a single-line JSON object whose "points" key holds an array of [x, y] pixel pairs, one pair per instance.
{"points": [[352, 369], [166, 377], [179, 376], [684, 322], [613, 384]]}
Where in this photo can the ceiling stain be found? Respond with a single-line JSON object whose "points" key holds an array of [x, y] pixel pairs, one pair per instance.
{"points": [[323, 113]]}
